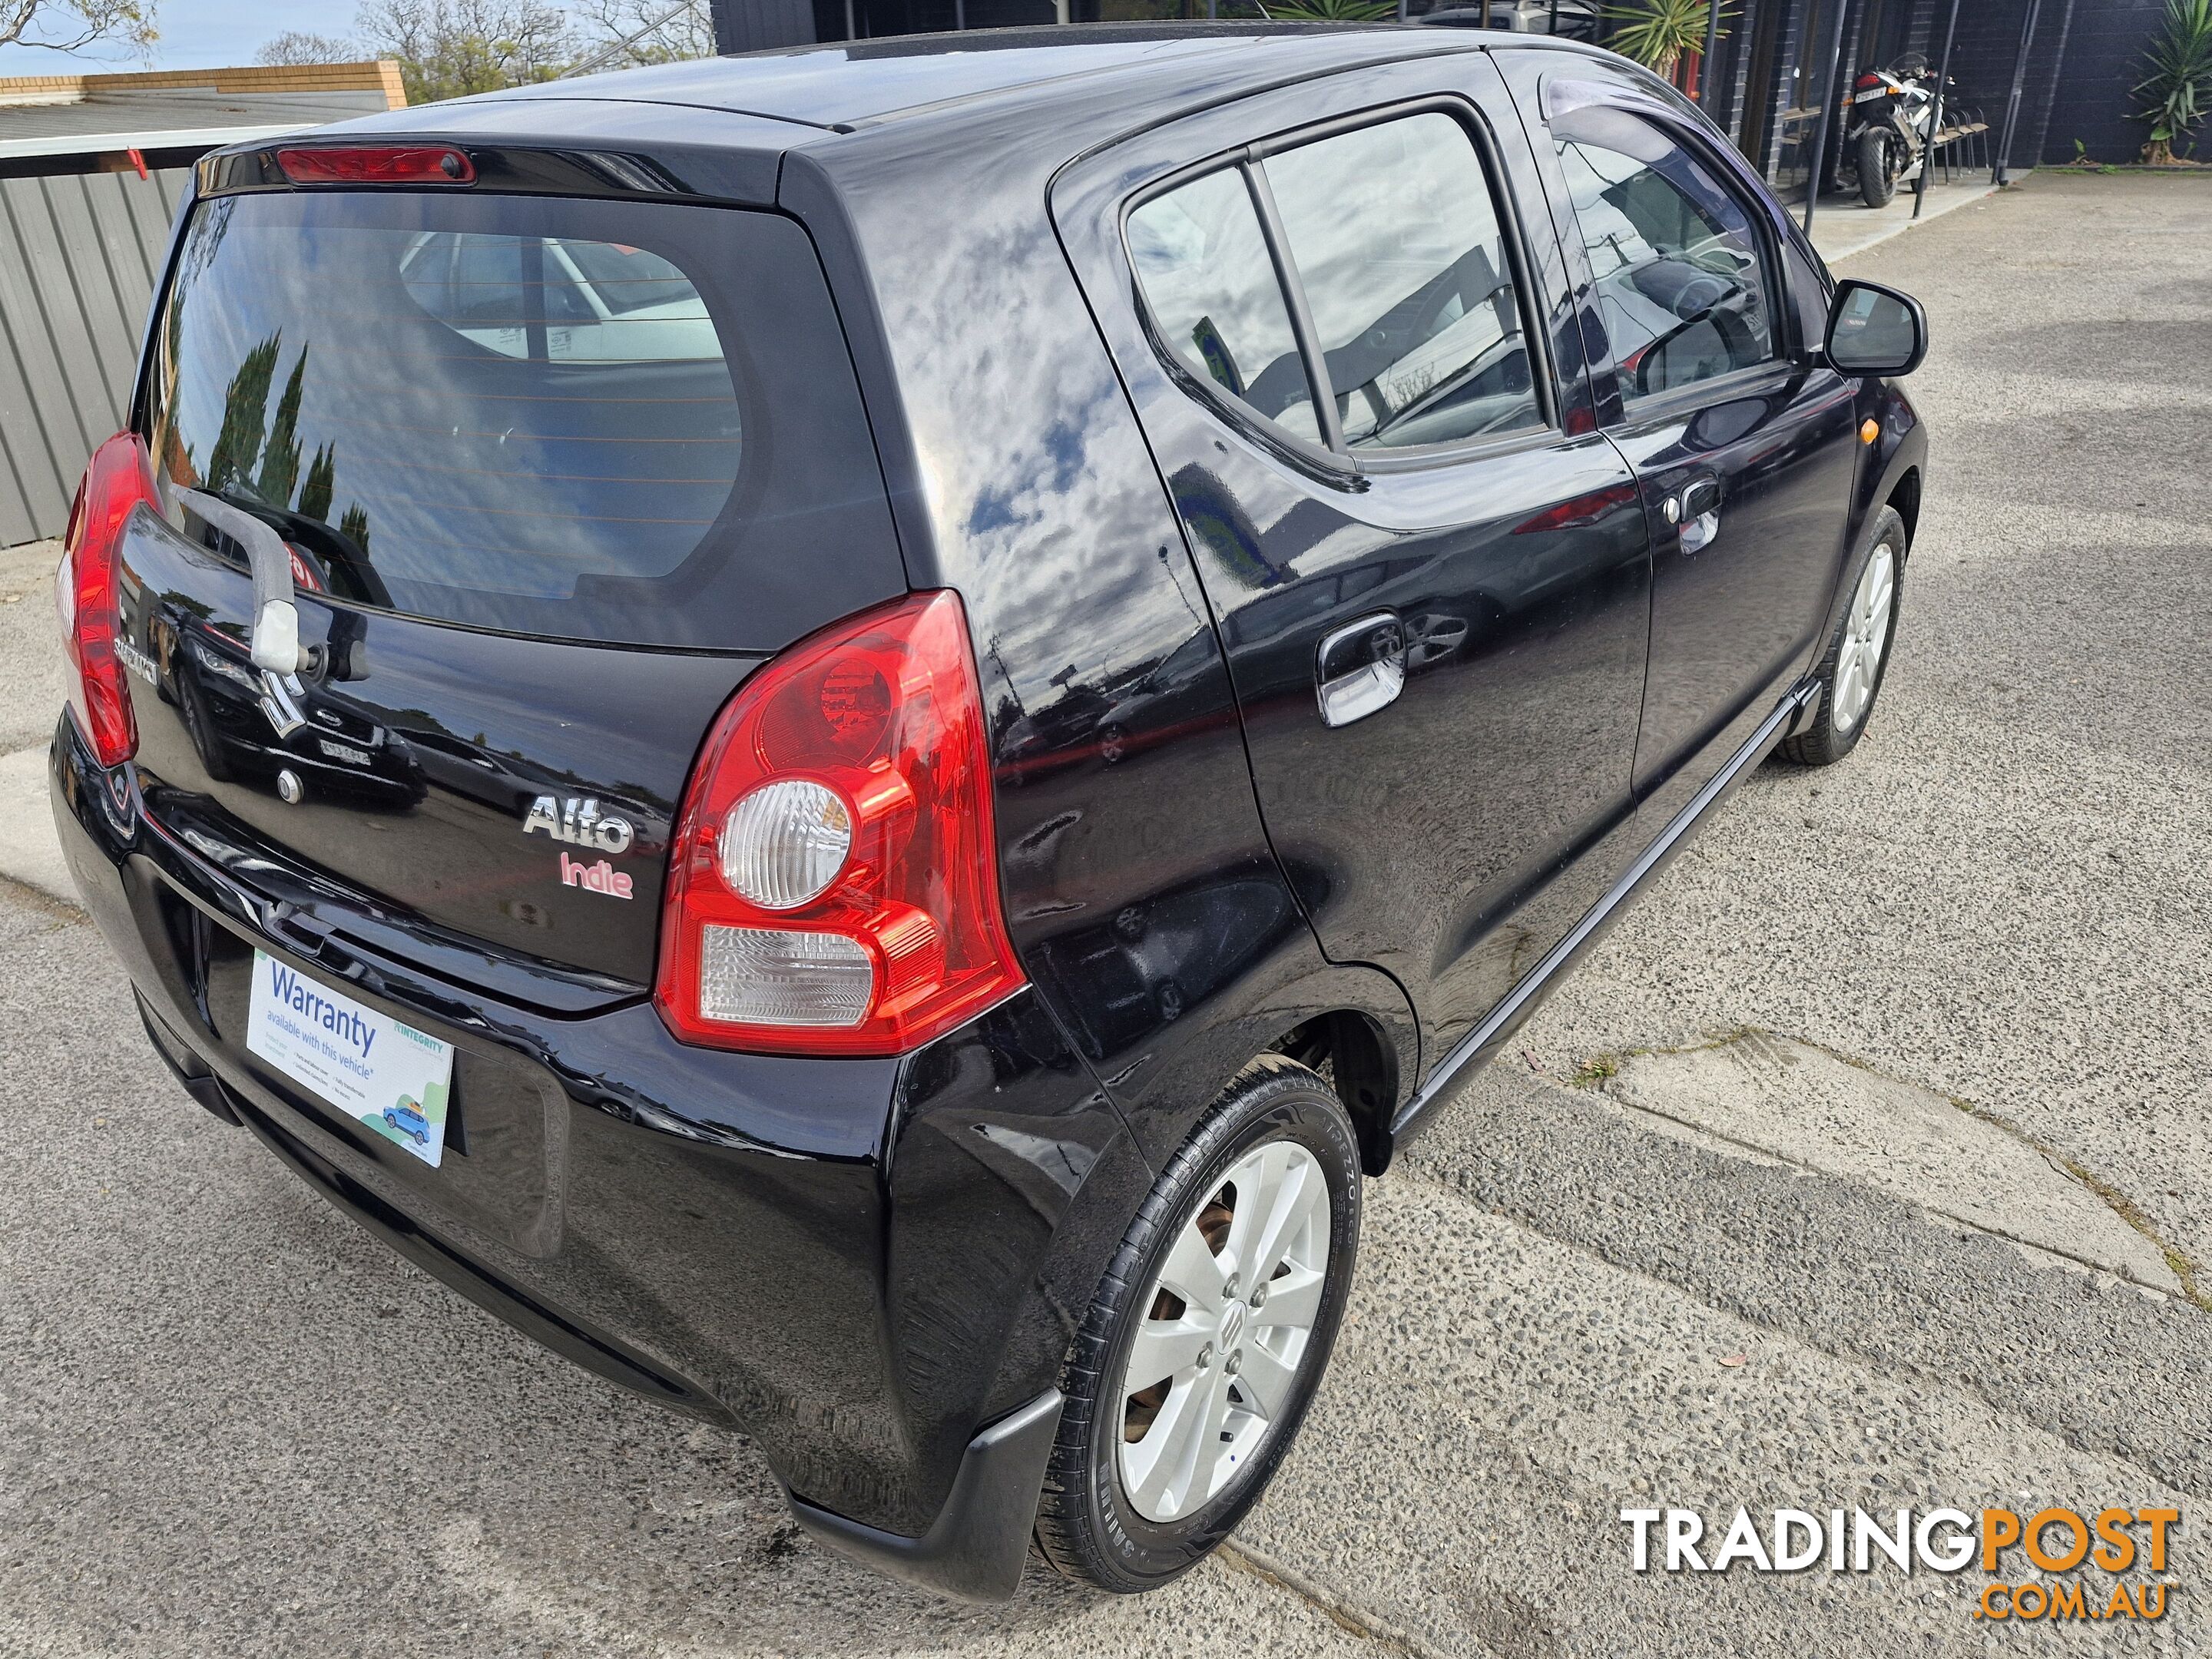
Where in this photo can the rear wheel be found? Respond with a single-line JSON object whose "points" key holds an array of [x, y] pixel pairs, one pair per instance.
{"points": [[1878, 152], [1197, 1359]]}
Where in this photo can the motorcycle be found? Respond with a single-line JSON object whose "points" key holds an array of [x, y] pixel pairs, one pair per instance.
{"points": [[1893, 112]]}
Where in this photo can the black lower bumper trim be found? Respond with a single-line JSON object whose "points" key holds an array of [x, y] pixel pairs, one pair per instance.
{"points": [[191, 1070], [976, 1547], [439, 1260]]}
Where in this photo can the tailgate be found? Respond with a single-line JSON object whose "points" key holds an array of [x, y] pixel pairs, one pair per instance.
{"points": [[555, 476]]}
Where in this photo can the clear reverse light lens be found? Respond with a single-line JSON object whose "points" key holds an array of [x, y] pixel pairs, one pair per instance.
{"points": [[784, 843], [763, 976]]}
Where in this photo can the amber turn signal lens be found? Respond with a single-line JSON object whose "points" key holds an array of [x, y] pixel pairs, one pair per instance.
{"points": [[1869, 430]]}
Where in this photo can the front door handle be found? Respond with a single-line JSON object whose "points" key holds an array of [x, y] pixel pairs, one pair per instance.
{"points": [[1360, 668], [1696, 513]]}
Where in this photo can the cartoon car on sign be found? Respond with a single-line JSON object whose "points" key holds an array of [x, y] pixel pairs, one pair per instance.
{"points": [[406, 1119]]}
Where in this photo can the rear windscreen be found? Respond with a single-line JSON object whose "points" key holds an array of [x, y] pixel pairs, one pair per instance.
{"points": [[610, 421]]}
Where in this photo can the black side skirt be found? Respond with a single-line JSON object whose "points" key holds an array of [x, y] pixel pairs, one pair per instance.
{"points": [[1480, 1044]]}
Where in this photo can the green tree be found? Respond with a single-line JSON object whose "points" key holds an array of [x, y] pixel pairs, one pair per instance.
{"points": [[354, 526], [451, 48], [245, 414], [279, 456], [73, 25], [297, 47], [624, 32], [322, 481]]}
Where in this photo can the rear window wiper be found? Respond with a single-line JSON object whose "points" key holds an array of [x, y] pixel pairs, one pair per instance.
{"points": [[275, 643], [276, 636]]}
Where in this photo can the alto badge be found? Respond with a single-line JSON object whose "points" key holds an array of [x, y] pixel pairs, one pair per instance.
{"points": [[580, 823]]}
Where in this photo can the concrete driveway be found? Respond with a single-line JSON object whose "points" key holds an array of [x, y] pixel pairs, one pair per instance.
{"points": [[1866, 1163]]}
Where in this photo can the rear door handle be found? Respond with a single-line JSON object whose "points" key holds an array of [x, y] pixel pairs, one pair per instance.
{"points": [[1360, 668]]}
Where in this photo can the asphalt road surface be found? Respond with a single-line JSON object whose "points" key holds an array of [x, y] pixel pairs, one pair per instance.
{"points": [[1867, 1164]]}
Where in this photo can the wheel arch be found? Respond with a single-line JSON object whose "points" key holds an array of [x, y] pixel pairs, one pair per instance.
{"points": [[1904, 496], [1356, 1056]]}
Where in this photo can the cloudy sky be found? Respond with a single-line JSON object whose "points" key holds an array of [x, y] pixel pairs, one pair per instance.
{"points": [[196, 34]]}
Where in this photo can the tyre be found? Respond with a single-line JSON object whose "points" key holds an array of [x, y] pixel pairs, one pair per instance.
{"points": [[200, 726], [1198, 1357], [1877, 172], [1858, 656]]}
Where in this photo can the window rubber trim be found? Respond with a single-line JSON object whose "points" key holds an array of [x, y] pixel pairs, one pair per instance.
{"points": [[1326, 414]]}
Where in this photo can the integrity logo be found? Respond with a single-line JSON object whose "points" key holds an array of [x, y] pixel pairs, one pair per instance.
{"points": [[2115, 1542]]}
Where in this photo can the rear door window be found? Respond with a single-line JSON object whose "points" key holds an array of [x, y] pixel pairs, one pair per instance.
{"points": [[1387, 245], [1202, 259], [1398, 245], [614, 421]]}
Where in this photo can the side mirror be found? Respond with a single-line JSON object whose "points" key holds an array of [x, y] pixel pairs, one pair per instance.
{"points": [[1873, 330]]}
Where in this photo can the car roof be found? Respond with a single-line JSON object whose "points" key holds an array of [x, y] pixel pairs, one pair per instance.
{"points": [[853, 84]]}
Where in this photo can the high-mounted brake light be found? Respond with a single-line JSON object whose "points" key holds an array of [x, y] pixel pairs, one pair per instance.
{"points": [[120, 477], [833, 880], [377, 164]]}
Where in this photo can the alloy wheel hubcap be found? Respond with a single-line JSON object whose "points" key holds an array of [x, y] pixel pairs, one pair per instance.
{"points": [[1866, 633], [1226, 1323]]}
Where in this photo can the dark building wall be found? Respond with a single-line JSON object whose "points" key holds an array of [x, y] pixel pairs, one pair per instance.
{"points": [[756, 25], [2096, 94], [1983, 56], [868, 20]]}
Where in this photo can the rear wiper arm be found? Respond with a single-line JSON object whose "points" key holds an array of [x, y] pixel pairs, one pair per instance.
{"points": [[276, 638]]}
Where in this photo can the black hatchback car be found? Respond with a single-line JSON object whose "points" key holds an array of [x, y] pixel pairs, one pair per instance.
{"points": [[849, 730]]}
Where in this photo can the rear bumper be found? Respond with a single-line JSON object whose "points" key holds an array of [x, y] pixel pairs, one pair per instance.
{"points": [[871, 1268]]}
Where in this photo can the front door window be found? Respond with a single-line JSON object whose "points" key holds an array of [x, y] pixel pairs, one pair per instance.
{"points": [[1682, 286]]}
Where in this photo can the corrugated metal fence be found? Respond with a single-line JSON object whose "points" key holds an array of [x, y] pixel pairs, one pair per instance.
{"points": [[78, 256]]}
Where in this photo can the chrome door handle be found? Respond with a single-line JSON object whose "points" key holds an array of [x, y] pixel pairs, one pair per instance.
{"points": [[1695, 513], [1360, 668]]}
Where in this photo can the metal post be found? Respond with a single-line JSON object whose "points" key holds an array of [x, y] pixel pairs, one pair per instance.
{"points": [[1704, 63], [2002, 172], [1827, 115], [1402, 8], [959, 14], [1935, 112]]}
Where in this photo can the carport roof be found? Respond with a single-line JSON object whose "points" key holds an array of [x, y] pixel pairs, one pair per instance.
{"points": [[64, 115]]}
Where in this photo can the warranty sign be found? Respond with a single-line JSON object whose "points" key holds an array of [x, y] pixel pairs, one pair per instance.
{"points": [[392, 1076]]}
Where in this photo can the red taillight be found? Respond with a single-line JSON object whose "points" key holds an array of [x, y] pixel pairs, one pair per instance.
{"points": [[120, 477], [377, 164], [833, 880], [1866, 81]]}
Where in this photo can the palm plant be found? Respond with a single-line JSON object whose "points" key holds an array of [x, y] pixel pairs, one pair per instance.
{"points": [[1328, 11], [1656, 32], [2179, 85]]}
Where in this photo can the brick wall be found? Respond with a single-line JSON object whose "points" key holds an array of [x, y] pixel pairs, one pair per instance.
{"points": [[379, 76]]}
